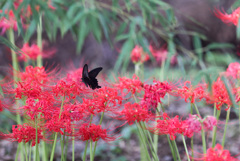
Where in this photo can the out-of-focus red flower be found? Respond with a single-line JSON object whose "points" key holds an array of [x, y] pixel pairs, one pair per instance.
{"points": [[155, 92], [35, 75], [8, 22], [127, 85], [190, 93], [228, 18], [220, 95], [23, 133], [233, 70], [217, 154], [138, 55], [168, 126], [94, 132], [192, 125], [135, 112], [209, 122], [161, 55], [33, 51]]}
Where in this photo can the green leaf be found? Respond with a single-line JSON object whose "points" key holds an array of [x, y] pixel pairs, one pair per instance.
{"points": [[104, 27], [162, 4], [95, 26], [219, 46], [82, 33], [9, 44], [30, 30], [124, 54]]}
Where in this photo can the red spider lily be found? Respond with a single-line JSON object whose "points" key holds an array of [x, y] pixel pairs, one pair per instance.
{"points": [[209, 122], [233, 70], [188, 92], [168, 126], [236, 92], [69, 89], [161, 55], [28, 90], [218, 154], [94, 132], [138, 55], [9, 22], [78, 111], [33, 51], [130, 85], [220, 95], [35, 75], [192, 125], [155, 92], [135, 112], [23, 133], [43, 105], [62, 125], [106, 99], [228, 18]]}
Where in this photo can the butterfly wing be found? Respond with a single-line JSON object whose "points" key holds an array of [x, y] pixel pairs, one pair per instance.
{"points": [[85, 76], [93, 73]]}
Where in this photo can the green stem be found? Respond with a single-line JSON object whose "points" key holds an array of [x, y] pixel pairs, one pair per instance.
{"points": [[30, 152], [192, 148], [151, 144], [203, 139], [85, 151], [215, 129], [55, 137], [95, 145], [91, 152], [65, 156], [16, 157], [73, 149], [25, 148], [62, 141], [36, 146], [155, 137], [185, 146], [39, 40], [176, 149], [225, 129], [143, 142], [172, 150], [45, 151]]}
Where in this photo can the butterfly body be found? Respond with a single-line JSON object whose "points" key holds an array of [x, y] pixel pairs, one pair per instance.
{"points": [[89, 78]]}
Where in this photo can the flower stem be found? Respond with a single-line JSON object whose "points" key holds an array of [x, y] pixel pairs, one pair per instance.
{"points": [[143, 142], [225, 129], [176, 149], [185, 146], [91, 152], [55, 137], [85, 151], [215, 130], [172, 150], [95, 145], [39, 40]]}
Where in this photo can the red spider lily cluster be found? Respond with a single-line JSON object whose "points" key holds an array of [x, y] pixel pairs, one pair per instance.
{"points": [[66, 106]]}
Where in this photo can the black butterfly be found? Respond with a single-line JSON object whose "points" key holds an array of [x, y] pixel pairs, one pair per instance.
{"points": [[89, 78]]}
